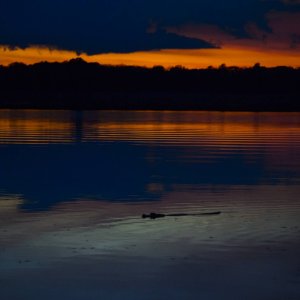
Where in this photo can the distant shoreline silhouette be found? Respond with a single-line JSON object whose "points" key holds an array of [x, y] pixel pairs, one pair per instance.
{"points": [[79, 85]]}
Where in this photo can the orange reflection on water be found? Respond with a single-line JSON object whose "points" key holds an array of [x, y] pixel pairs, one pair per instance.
{"points": [[208, 135], [178, 128], [34, 127], [196, 128]]}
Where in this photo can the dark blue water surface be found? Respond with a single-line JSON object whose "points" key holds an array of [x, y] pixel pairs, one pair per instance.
{"points": [[73, 187]]}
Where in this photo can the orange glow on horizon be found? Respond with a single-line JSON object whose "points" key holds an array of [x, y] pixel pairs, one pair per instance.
{"points": [[199, 58]]}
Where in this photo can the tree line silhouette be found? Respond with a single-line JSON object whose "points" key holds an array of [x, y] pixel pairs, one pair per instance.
{"points": [[76, 84]]}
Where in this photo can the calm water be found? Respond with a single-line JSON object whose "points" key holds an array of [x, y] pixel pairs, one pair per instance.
{"points": [[73, 187]]}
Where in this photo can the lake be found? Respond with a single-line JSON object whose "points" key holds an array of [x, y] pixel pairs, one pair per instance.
{"points": [[74, 185]]}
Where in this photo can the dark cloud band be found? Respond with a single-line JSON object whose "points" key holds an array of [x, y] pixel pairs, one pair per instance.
{"points": [[120, 26]]}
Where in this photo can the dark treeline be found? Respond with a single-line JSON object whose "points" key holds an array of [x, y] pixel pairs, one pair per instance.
{"points": [[79, 85]]}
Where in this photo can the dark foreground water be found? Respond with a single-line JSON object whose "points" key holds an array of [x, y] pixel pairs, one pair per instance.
{"points": [[73, 187]]}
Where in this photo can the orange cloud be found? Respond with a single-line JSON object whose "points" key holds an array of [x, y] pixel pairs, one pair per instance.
{"points": [[291, 1], [285, 29], [284, 34]]}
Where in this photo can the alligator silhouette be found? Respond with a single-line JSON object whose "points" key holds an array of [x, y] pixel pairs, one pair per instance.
{"points": [[155, 215]]}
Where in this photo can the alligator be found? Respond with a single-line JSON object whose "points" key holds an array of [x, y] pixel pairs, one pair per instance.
{"points": [[154, 215]]}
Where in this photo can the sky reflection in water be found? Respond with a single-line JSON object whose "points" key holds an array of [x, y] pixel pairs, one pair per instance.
{"points": [[51, 157], [73, 186]]}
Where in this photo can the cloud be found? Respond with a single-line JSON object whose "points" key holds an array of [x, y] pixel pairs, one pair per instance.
{"points": [[282, 33], [125, 26], [89, 26], [285, 28], [94, 26], [121, 43], [285, 2], [293, 2], [211, 33], [155, 40]]}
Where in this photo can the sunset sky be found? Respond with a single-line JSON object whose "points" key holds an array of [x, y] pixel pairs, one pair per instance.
{"points": [[191, 33]]}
